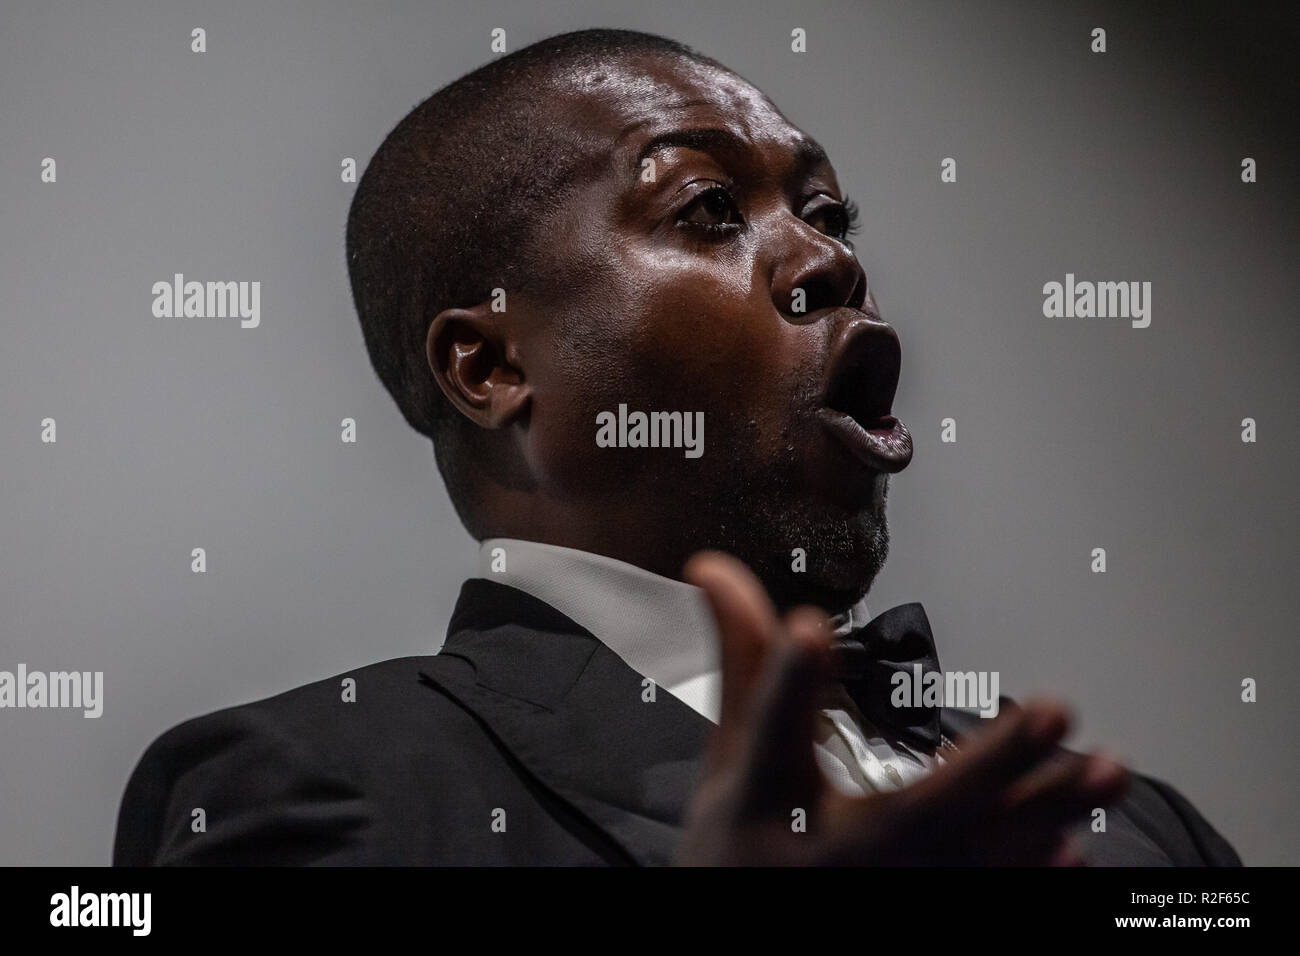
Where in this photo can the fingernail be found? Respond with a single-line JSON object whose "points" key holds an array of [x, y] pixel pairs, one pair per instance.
{"points": [[1044, 723], [1101, 773]]}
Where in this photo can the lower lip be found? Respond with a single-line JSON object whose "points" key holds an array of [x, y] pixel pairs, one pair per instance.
{"points": [[887, 448]]}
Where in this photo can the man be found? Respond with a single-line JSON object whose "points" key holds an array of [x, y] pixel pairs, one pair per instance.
{"points": [[566, 265]]}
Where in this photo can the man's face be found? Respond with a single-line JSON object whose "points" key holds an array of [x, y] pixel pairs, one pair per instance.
{"points": [[720, 284]]}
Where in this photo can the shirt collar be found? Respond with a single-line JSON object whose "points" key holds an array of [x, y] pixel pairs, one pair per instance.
{"points": [[661, 628]]}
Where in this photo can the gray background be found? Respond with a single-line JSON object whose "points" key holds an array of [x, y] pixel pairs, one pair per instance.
{"points": [[1072, 434]]}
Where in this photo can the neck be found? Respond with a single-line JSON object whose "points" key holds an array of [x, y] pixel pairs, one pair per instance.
{"points": [[644, 548]]}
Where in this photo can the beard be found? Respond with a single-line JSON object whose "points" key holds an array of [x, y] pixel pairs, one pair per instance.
{"points": [[755, 493], [762, 510]]}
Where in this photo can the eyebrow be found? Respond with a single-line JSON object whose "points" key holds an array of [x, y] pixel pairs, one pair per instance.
{"points": [[808, 153]]}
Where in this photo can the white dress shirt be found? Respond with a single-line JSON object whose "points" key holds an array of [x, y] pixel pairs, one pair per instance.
{"points": [[663, 629]]}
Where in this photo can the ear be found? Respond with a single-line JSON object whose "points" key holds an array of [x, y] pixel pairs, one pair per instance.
{"points": [[475, 360]]}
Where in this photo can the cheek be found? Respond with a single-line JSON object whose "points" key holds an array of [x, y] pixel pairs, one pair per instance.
{"points": [[701, 326], [666, 331], [713, 341]]}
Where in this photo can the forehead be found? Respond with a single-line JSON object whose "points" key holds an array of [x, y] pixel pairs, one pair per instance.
{"points": [[622, 105]]}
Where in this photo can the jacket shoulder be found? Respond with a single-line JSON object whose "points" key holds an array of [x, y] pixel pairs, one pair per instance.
{"points": [[1180, 829], [289, 778]]}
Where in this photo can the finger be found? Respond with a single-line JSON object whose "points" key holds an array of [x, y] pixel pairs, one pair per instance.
{"points": [[1066, 789], [1040, 809], [1067, 854], [780, 773], [969, 785], [746, 622]]}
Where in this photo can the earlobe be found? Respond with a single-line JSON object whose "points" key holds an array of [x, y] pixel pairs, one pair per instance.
{"points": [[476, 364]]}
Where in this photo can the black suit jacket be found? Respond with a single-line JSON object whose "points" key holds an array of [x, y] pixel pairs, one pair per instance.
{"points": [[524, 741]]}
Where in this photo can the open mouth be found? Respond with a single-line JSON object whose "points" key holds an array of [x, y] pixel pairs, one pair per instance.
{"points": [[859, 397]]}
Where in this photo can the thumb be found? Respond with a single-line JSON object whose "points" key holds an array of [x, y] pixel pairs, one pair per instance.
{"points": [[779, 768], [746, 623]]}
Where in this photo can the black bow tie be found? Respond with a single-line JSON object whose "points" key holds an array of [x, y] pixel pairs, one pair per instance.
{"points": [[868, 657]]}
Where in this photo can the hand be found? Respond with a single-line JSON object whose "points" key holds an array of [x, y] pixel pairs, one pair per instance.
{"points": [[1007, 797]]}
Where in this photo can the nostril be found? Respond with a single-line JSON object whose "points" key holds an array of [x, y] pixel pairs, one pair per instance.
{"points": [[812, 295], [858, 297], [826, 290]]}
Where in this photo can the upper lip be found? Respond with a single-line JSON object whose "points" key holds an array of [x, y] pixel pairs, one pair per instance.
{"points": [[862, 374]]}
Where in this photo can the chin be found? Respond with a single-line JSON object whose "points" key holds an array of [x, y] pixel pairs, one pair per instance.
{"points": [[847, 579], [763, 511], [840, 562]]}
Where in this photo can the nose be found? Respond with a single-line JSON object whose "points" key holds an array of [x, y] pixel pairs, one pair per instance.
{"points": [[814, 271]]}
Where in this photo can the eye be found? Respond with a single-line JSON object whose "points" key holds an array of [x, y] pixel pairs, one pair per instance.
{"points": [[713, 210], [838, 220]]}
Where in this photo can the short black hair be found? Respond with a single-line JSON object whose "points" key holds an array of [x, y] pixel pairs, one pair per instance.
{"points": [[447, 208]]}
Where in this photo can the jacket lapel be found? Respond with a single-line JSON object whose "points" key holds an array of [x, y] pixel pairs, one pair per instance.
{"points": [[575, 715]]}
